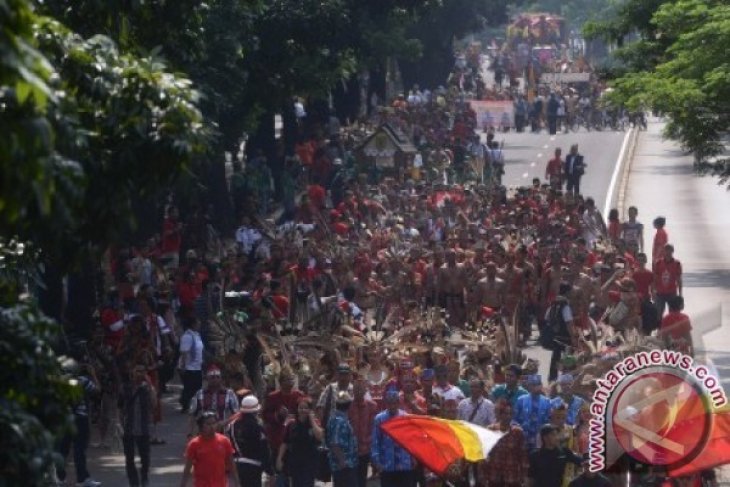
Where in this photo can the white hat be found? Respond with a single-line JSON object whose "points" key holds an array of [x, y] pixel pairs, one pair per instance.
{"points": [[250, 404]]}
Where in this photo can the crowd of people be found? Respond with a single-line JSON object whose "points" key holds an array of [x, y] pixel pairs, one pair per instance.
{"points": [[371, 296]]}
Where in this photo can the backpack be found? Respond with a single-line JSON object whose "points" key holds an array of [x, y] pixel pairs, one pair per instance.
{"points": [[555, 327]]}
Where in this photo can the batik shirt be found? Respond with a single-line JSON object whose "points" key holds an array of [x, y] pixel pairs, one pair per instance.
{"points": [[573, 408], [384, 452], [341, 434], [532, 412]]}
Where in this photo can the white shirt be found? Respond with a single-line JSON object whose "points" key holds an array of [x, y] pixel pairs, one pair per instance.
{"points": [[449, 393], [191, 350], [484, 411], [418, 160], [299, 111], [247, 238]]}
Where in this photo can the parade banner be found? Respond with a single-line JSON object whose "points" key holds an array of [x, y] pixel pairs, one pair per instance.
{"points": [[556, 78], [497, 114]]}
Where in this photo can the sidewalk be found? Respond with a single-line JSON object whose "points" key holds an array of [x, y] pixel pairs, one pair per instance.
{"points": [[662, 183], [697, 209], [166, 461]]}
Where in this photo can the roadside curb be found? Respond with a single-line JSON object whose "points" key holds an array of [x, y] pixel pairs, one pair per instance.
{"points": [[626, 164]]}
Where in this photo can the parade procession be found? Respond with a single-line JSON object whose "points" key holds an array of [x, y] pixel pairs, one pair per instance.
{"points": [[501, 266]]}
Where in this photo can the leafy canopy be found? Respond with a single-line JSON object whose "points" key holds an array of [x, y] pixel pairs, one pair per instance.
{"points": [[684, 74]]}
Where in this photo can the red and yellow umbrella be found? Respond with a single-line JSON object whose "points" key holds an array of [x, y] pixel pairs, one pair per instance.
{"points": [[438, 443]]}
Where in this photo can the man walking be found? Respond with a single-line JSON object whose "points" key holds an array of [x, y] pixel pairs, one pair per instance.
{"points": [[574, 170], [476, 409], [342, 443], [362, 415], [209, 456], [215, 397], [507, 464], [547, 465], [667, 279], [533, 410], [136, 403], [511, 390], [395, 465]]}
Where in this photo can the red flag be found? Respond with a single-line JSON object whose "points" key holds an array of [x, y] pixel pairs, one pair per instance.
{"points": [[716, 451]]}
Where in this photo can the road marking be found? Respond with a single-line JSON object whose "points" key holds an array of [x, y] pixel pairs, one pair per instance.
{"points": [[546, 146], [614, 176], [539, 155], [524, 175], [551, 138], [532, 164]]}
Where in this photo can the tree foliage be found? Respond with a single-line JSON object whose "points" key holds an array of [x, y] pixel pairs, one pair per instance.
{"points": [[685, 73], [86, 129]]}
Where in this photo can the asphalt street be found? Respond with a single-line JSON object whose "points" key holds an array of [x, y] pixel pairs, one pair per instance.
{"points": [[526, 155]]}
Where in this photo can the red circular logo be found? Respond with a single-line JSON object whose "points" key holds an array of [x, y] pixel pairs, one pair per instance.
{"points": [[661, 418]]}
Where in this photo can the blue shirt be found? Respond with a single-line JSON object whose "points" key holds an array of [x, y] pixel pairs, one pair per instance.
{"points": [[573, 408], [502, 391], [340, 433], [383, 450], [532, 413]]}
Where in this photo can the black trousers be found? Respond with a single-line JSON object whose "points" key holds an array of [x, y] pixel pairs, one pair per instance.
{"points": [[142, 444], [554, 362], [398, 479], [249, 475], [573, 185], [552, 124], [346, 477], [80, 442], [363, 462], [192, 382]]}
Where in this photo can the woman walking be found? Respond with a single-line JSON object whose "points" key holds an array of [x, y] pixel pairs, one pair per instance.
{"points": [[301, 442]]}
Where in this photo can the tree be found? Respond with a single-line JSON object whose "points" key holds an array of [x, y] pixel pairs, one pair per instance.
{"points": [[684, 75], [438, 24], [85, 130]]}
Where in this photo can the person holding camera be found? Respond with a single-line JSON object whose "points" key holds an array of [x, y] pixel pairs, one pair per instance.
{"points": [[302, 438], [279, 407]]}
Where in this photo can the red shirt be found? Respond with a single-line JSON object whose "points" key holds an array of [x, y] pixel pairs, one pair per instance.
{"points": [[340, 229], [554, 167], [660, 240], [643, 279], [171, 238], [305, 151], [111, 317], [317, 195], [281, 306], [361, 417], [667, 275], [614, 230], [187, 293], [683, 328], [276, 429], [209, 456]]}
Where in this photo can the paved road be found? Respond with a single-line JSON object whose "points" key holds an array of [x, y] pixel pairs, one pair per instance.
{"points": [[526, 157]]}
